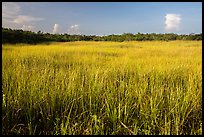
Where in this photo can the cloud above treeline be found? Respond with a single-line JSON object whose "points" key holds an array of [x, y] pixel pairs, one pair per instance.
{"points": [[12, 17], [56, 28], [23, 19], [74, 29], [28, 27], [172, 22]]}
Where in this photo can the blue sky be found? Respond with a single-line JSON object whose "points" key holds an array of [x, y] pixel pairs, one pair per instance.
{"points": [[104, 18]]}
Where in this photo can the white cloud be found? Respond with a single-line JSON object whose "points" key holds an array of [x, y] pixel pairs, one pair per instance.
{"points": [[172, 22], [13, 18], [56, 28], [10, 10], [23, 19], [29, 28], [74, 29]]}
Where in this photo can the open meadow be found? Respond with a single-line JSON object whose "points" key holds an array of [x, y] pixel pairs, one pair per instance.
{"points": [[102, 88]]}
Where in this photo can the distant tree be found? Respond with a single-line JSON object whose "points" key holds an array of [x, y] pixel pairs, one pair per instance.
{"points": [[20, 36]]}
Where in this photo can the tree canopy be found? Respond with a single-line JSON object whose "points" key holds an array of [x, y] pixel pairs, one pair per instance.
{"points": [[19, 36]]}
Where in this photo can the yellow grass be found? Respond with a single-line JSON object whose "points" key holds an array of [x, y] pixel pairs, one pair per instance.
{"points": [[102, 88]]}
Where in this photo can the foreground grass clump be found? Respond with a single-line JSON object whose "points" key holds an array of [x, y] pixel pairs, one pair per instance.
{"points": [[142, 88]]}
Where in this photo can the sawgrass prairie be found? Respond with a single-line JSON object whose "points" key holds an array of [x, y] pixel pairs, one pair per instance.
{"points": [[102, 88]]}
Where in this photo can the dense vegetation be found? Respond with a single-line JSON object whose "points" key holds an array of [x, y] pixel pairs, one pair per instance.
{"points": [[142, 88], [20, 36]]}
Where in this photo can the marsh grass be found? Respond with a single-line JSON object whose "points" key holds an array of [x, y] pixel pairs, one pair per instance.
{"points": [[100, 88]]}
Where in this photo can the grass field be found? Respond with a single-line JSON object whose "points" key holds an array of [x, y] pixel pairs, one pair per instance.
{"points": [[115, 88]]}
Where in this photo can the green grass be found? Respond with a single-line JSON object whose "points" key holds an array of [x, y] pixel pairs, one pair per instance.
{"points": [[100, 88]]}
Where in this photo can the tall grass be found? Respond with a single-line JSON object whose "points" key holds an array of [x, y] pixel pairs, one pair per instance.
{"points": [[80, 88]]}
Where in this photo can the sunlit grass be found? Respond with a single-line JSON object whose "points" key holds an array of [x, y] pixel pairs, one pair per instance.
{"points": [[101, 88]]}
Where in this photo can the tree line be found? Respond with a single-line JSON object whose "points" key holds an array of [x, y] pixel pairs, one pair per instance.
{"points": [[14, 36]]}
